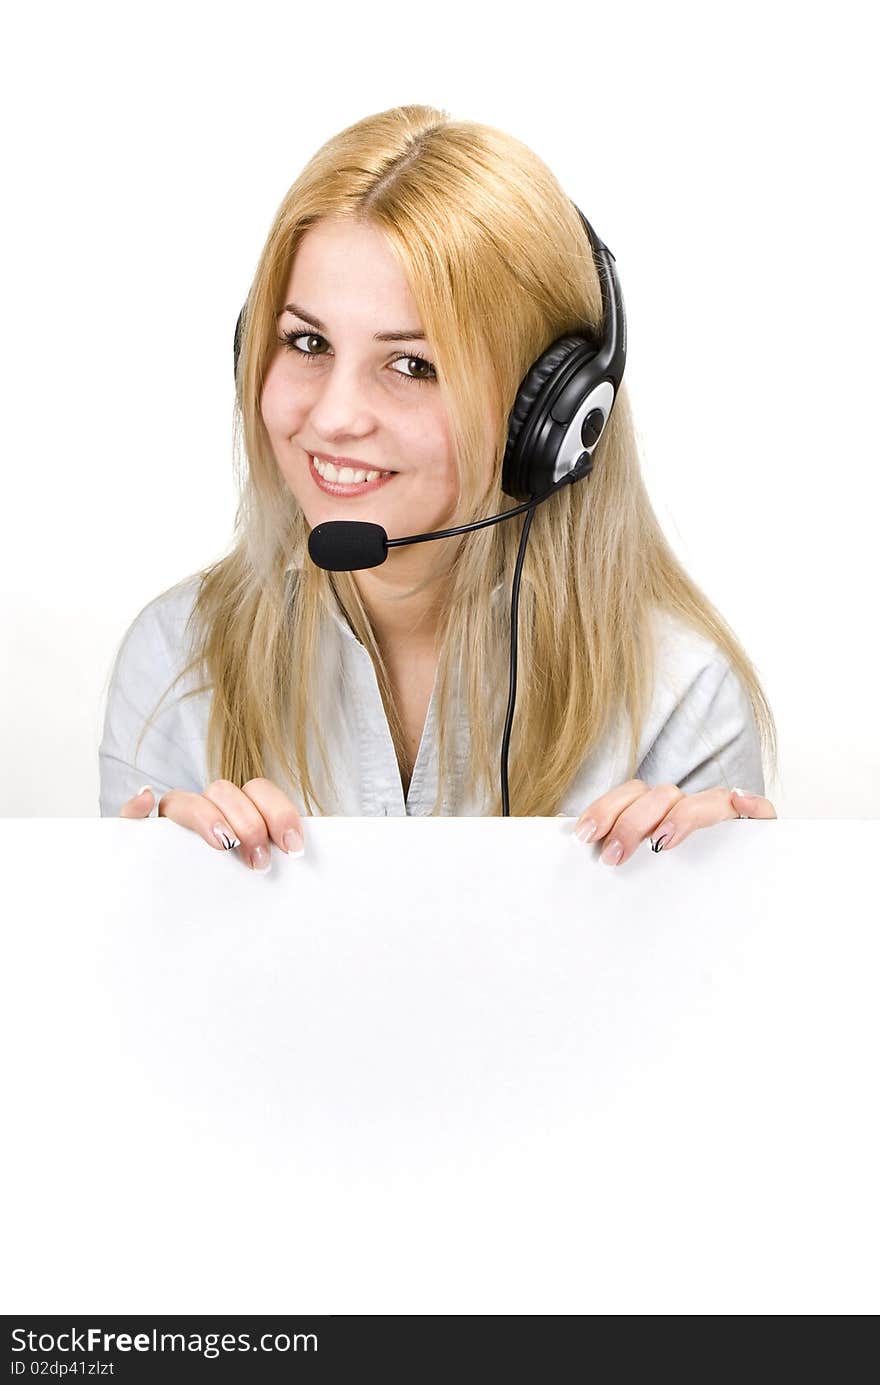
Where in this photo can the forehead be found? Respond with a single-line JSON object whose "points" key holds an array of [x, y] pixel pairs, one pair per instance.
{"points": [[349, 269]]}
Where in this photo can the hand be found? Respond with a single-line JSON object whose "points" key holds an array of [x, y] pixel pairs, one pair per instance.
{"points": [[628, 814], [228, 817]]}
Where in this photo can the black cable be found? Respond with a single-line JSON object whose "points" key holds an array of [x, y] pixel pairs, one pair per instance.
{"points": [[514, 620], [494, 519]]}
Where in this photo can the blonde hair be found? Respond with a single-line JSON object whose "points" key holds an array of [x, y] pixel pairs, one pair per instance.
{"points": [[499, 266]]}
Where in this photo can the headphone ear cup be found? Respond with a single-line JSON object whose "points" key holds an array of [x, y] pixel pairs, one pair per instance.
{"points": [[236, 344], [526, 466]]}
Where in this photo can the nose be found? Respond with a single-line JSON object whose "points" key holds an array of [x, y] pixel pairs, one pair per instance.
{"points": [[340, 404]]}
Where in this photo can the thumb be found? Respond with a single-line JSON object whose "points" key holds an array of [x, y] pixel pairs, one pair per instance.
{"points": [[752, 805], [141, 806]]}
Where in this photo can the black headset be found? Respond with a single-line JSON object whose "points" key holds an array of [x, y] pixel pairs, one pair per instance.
{"points": [[559, 414]]}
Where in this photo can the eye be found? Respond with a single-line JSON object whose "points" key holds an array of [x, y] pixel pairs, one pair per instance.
{"points": [[418, 361], [290, 338]]}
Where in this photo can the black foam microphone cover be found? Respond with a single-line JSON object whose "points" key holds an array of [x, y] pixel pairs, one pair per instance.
{"points": [[343, 545]]}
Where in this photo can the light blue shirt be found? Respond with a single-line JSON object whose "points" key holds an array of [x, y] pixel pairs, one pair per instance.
{"points": [[700, 731]]}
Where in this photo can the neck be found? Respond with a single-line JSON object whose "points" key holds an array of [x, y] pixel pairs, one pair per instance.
{"points": [[402, 623], [411, 623]]}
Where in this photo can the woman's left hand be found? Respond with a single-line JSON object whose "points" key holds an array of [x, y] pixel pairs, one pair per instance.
{"points": [[634, 811]]}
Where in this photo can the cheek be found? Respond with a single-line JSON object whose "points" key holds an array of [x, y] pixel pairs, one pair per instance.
{"points": [[279, 406], [437, 478], [436, 447], [447, 471]]}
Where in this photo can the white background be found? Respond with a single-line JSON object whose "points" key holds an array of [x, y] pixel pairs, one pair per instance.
{"points": [[727, 158]]}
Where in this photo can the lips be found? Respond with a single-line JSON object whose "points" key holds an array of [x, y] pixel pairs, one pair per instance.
{"points": [[344, 489], [327, 459]]}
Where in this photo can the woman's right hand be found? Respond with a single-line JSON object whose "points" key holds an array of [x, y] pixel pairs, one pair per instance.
{"points": [[227, 817]]}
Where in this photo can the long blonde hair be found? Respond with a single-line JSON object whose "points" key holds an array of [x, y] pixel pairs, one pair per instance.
{"points": [[499, 266]]}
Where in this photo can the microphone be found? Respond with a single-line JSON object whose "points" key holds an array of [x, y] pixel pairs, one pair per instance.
{"points": [[342, 545], [347, 545]]}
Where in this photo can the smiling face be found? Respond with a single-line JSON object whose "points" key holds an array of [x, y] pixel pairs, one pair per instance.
{"points": [[339, 386]]}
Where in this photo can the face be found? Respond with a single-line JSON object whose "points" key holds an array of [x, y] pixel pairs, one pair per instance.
{"points": [[335, 389]]}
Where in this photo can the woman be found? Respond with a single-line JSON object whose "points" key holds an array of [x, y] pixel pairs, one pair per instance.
{"points": [[413, 272]]}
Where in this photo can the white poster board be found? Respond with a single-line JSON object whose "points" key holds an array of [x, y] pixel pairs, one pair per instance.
{"points": [[441, 1065]]}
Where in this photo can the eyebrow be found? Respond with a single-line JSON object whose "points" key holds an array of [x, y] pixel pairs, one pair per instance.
{"points": [[377, 336]]}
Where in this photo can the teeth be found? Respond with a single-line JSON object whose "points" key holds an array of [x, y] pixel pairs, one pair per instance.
{"points": [[346, 476]]}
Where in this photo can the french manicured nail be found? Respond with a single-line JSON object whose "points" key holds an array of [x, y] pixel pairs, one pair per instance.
{"points": [[260, 858], [586, 831], [612, 853], [293, 842], [144, 790], [225, 840]]}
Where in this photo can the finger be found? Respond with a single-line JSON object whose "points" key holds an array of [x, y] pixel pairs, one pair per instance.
{"points": [[199, 814], [638, 821], [141, 806], [245, 819], [695, 810], [751, 805], [596, 821], [279, 813]]}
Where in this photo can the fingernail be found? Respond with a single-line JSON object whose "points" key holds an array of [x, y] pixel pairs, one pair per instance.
{"points": [[260, 858], [144, 790], [293, 842], [667, 837], [586, 831], [742, 793], [612, 853], [225, 839]]}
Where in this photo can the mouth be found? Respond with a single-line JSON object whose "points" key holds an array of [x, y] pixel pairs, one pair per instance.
{"points": [[328, 478]]}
